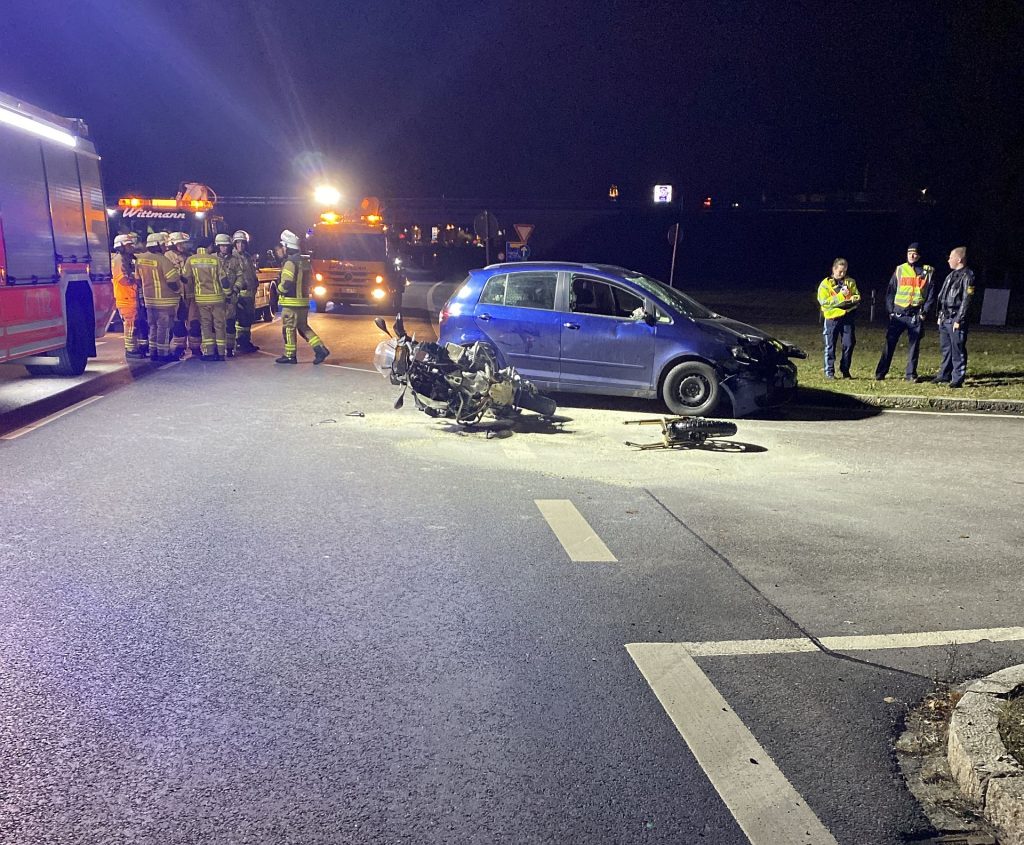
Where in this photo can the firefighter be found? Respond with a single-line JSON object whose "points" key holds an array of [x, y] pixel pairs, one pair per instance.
{"points": [[244, 282], [206, 275], [223, 245], [294, 298], [177, 251], [161, 287], [141, 323], [126, 292], [908, 299]]}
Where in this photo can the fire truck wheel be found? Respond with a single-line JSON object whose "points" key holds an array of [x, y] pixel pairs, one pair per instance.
{"points": [[71, 359]]}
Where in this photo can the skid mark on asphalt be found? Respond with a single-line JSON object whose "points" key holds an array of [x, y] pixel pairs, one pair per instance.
{"points": [[579, 540], [764, 803], [28, 429]]}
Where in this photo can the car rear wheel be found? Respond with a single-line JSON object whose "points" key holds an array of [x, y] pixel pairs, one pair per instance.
{"points": [[691, 389]]}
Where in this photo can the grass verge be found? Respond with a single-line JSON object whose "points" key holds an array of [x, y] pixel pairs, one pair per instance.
{"points": [[1011, 727]]}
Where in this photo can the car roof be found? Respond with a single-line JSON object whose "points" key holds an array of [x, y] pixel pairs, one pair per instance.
{"points": [[607, 269]]}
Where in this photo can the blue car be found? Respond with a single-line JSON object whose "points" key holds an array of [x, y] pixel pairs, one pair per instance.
{"points": [[593, 328]]}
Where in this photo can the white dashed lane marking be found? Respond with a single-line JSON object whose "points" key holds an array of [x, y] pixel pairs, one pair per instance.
{"points": [[579, 540]]}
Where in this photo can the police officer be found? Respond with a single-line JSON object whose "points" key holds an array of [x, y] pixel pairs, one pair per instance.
{"points": [[126, 291], [954, 300], [206, 275], [244, 282], [161, 287], [908, 299], [294, 299], [223, 245], [838, 297]]}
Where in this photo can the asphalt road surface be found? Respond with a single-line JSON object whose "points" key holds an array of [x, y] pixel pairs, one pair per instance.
{"points": [[252, 603]]}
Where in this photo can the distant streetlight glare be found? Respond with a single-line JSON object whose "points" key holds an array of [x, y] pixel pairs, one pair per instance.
{"points": [[327, 195]]}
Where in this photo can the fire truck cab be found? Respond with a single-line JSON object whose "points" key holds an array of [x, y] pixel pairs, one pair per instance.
{"points": [[351, 259], [191, 210], [56, 295]]}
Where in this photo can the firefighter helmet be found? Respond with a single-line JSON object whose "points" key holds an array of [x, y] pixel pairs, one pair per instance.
{"points": [[131, 237], [222, 240], [240, 235], [176, 238], [289, 240], [156, 239], [120, 241]]}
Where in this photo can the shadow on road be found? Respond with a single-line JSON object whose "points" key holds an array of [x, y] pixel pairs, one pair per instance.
{"points": [[525, 424]]}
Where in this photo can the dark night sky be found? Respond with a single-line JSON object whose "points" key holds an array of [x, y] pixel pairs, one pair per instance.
{"points": [[532, 99]]}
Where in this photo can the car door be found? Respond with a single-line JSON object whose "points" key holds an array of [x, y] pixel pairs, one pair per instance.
{"points": [[516, 311], [605, 341]]}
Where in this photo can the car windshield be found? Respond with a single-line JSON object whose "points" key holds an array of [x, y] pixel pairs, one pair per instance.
{"points": [[685, 305], [348, 246]]}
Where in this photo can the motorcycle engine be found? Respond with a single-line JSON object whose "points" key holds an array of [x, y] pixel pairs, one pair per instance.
{"points": [[475, 384], [502, 393]]}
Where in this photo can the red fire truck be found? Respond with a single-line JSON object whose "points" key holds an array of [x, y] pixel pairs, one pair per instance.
{"points": [[56, 295]]}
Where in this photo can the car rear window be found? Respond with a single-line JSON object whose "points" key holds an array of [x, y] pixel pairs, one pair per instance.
{"points": [[527, 289]]}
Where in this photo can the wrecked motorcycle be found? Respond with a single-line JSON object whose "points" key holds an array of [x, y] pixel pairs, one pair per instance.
{"points": [[462, 383]]}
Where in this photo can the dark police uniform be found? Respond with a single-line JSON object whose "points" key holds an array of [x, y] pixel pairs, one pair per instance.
{"points": [[953, 302]]}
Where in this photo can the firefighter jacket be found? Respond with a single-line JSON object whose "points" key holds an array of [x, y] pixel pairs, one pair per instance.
{"points": [[837, 297], [293, 289], [178, 260], [242, 273], [125, 285], [910, 291], [955, 296], [204, 275], [161, 280]]}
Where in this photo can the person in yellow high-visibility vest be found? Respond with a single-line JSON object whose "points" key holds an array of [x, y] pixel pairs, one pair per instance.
{"points": [[206, 275], [293, 291], [908, 299], [838, 297], [161, 288]]}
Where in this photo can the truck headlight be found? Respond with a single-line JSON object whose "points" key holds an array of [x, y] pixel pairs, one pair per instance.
{"points": [[379, 293], [319, 290], [379, 280]]}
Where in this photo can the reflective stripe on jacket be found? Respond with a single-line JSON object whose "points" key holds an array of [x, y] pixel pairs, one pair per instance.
{"points": [[205, 277], [834, 303], [910, 286], [125, 293], [294, 285], [243, 273], [160, 279]]}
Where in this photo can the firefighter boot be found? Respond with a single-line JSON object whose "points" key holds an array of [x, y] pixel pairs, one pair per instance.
{"points": [[286, 359], [320, 354]]}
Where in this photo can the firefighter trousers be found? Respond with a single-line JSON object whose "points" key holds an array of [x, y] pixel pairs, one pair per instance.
{"points": [[128, 316], [213, 324], [245, 315], [161, 318], [231, 313], [294, 322]]}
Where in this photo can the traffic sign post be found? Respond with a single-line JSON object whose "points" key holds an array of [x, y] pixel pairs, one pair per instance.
{"points": [[675, 235], [516, 251]]}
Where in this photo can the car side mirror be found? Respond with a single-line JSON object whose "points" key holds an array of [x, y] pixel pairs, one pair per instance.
{"points": [[650, 318]]}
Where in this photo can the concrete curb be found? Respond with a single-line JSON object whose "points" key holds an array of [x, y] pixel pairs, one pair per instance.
{"points": [[846, 401], [982, 767]]}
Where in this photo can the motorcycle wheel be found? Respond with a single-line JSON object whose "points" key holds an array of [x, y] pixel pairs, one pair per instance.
{"points": [[700, 429], [538, 403]]}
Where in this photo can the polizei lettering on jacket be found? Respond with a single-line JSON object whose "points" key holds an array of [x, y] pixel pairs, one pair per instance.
{"points": [[147, 212]]}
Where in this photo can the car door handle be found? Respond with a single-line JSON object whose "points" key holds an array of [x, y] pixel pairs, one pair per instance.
{"points": [[484, 317], [573, 326]]}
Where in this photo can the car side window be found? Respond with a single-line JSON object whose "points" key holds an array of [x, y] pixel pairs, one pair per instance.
{"points": [[531, 289], [494, 291], [594, 296]]}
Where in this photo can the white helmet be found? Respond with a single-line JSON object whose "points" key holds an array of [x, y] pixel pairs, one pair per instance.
{"points": [[222, 240], [131, 237], [120, 241], [156, 239], [289, 240], [176, 238], [240, 235]]}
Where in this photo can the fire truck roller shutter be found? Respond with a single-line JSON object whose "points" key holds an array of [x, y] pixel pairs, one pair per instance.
{"points": [[65, 203], [95, 215], [23, 205]]}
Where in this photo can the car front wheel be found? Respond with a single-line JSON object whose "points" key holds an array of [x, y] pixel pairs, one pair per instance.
{"points": [[691, 389]]}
